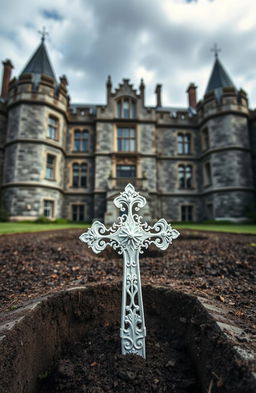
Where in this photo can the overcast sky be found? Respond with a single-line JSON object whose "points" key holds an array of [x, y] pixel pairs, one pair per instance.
{"points": [[162, 41]]}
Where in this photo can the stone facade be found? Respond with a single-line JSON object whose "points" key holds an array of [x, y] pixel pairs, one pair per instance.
{"points": [[193, 163]]}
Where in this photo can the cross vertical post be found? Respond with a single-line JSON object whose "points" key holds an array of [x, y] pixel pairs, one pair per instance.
{"points": [[129, 236]]}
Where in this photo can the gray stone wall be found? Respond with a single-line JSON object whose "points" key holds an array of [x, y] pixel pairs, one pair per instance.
{"points": [[233, 205], [228, 130], [171, 207], [231, 168], [28, 202]]}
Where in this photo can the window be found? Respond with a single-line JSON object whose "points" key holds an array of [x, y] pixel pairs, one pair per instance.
{"points": [[126, 108], [186, 213], [207, 174], [126, 140], [184, 143], [81, 140], [205, 139], [127, 171], [209, 211], [53, 125], [50, 166], [185, 176], [79, 175], [77, 212], [48, 208]]}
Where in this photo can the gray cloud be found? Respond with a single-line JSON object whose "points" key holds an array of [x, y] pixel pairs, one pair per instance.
{"points": [[91, 40]]}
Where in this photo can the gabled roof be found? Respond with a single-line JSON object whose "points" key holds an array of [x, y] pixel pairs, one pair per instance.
{"points": [[219, 78], [39, 63]]}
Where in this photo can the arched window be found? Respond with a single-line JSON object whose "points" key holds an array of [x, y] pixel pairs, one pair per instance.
{"points": [[79, 175], [184, 143], [81, 140], [185, 176], [126, 108]]}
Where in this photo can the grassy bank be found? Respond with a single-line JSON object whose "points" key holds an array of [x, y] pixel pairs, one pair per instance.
{"points": [[20, 227], [230, 228]]}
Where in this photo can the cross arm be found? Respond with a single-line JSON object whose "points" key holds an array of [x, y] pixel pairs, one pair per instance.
{"points": [[161, 234]]}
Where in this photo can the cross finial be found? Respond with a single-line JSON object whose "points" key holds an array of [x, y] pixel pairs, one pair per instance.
{"points": [[43, 33], [215, 49]]}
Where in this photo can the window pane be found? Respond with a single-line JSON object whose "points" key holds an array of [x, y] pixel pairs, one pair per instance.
{"points": [[48, 209], [132, 132], [119, 109], [132, 145], [133, 110], [50, 159], [84, 141], [181, 177], [74, 213], [183, 213], [188, 172], [49, 173], [77, 140], [81, 212], [189, 214], [126, 109], [126, 171], [75, 175], [83, 175], [187, 144], [180, 144]]}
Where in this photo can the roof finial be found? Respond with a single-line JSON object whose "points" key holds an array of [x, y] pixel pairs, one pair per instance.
{"points": [[215, 49], [43, 33]]}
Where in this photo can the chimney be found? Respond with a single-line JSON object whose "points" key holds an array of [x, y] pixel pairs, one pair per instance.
{"points": [[6, 77], [158, 95], [142, 91], [109, 87], [191, 90]]}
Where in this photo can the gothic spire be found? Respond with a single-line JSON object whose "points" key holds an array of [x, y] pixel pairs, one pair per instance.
{"points": [[219, 77], [39, 63]]}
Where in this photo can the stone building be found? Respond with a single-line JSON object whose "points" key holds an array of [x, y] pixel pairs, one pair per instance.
{"points": [[59, 159]]}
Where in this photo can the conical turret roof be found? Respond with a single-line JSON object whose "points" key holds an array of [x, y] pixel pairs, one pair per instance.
{"points": [[39, 63], [219, 78]]}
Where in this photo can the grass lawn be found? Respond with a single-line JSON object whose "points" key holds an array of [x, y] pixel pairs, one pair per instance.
{"points": [[231, 228], [19, 227]]}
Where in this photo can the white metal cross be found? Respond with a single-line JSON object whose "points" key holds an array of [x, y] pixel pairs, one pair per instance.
{"points": [[130, 235]]}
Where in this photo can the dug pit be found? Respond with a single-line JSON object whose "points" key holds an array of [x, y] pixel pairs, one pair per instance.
{"points": [[69, 343]]}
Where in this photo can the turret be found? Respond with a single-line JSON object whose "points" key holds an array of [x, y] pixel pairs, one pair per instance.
{"points": [[225, 148], [36, 136]]}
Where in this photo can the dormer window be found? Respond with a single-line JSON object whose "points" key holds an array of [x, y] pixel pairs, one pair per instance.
{"points": [[126, 108]]}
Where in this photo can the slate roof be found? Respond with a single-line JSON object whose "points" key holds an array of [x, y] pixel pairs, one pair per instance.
{"points": [[219, 78], [39, 63]]}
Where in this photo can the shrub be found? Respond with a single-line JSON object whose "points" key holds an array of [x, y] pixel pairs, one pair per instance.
{"points": [[43, 220], [61, 221]]}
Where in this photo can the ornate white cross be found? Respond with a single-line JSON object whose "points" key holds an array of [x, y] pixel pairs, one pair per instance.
{"points": [[129, 235]]}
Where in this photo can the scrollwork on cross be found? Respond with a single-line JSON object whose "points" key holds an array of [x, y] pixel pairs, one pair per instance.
{"points": [[130, 236]]}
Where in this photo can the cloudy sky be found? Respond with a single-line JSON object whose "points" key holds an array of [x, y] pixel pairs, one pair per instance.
{"points": [[162, 41]]}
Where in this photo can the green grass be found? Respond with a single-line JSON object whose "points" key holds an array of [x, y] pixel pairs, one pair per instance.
{"points": [[20, 227], [231, 228]]}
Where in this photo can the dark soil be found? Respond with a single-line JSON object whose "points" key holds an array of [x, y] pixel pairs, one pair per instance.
{"points": [[94, 366], [215, 266]]}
